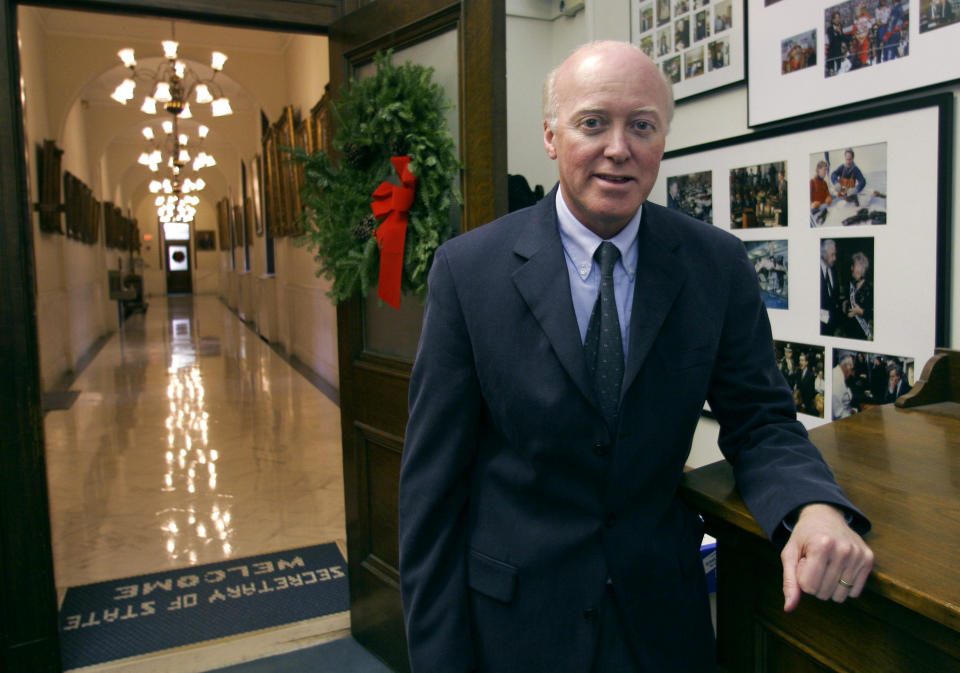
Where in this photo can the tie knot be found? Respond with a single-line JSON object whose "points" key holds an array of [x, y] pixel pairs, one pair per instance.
{"points": [[607, 255]]}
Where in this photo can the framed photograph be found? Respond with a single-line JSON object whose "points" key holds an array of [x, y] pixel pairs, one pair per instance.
{"points": [[819, 55], [206, 239], [845, 221], [698, 44]]}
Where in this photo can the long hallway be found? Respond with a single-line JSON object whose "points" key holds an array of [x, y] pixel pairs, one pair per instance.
{"points": [[191, 441]]}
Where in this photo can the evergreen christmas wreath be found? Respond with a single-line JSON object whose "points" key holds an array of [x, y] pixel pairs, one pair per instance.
{"points": [[399, 111]]}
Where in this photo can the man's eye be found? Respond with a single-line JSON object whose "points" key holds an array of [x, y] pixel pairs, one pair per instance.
{"points": [[591, 123], [643, 125]]}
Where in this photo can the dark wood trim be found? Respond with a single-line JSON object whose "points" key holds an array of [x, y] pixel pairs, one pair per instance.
{"points": [[308, 16], [483, 112], [28, 604]]}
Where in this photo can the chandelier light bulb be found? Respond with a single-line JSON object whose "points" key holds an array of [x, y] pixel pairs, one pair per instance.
{"points": [[143, 159], [156, 157], [185, 112], [203, 94], [180, 69], [199, 185], [203, 131], [167, 126], [124, 91], [126, 55], [155, 187], [217, 60], [162, 93], [170, 48], [159, 201], [184, 139], [221, 107], [184, 156], [149, 106], [148, 132]]}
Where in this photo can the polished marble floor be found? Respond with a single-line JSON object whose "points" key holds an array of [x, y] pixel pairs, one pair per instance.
{"points": [[191, 442]]}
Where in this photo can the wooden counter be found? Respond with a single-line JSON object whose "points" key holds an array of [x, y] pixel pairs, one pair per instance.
{"points": [[902, 468]]}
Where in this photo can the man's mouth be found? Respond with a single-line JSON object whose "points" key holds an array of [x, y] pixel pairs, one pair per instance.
{"points": [[615, 179]]}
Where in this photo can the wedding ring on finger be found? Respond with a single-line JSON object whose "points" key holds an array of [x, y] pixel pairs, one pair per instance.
{"points": [[845, 583]]}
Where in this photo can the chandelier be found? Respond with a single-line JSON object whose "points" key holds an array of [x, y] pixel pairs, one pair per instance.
{"points": [[172, 148], [173, 83]]}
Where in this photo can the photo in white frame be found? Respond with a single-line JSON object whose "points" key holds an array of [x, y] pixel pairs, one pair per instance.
{"points": [[697, 44], [881, 47]]}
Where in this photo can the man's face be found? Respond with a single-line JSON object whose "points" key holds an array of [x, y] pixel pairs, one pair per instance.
{"points": [[829, 256], [610, 133], [848, 159], [803, 361]]}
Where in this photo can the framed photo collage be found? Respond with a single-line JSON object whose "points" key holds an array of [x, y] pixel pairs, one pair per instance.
{"points": [[842, 200], [847, 240]]}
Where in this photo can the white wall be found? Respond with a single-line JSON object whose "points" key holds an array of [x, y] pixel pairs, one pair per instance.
{"points": [[72, 309], [536, 45]]}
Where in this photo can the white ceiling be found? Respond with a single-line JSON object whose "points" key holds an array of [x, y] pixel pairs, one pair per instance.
{"points": [[193, 37]]}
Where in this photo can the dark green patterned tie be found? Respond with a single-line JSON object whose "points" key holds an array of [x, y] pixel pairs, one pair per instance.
{"points": [[604, 348]]}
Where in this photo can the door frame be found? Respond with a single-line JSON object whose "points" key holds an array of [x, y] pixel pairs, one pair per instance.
{"points": [[28, 603], [481, 104]]}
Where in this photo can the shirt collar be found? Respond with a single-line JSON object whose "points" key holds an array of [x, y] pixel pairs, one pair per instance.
{"points": [[580, 243]]}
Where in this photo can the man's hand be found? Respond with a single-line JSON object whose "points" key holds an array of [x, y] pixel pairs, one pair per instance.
{"points": [[824, 557]]}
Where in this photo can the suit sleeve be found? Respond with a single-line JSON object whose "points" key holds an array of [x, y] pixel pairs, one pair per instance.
{"points": [[777, 468], [438, 455]]}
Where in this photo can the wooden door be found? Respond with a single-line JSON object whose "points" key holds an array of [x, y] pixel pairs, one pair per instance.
{"points": [[377, 344], [179, 273]]}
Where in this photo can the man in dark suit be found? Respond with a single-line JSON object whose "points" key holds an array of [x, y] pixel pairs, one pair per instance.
{"points": [[829, 288], [896, 385], [554, 399]]}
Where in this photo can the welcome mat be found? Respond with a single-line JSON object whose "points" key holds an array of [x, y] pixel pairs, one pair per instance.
{"points": [[135, 615]]}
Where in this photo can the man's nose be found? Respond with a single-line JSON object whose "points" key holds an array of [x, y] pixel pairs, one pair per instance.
{"points": [[617, 148]]}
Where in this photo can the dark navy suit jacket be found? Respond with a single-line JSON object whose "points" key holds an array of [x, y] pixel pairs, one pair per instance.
{"points": [[517, 504]]}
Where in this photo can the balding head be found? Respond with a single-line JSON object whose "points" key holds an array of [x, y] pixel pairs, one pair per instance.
{"points": [[550, 102]]}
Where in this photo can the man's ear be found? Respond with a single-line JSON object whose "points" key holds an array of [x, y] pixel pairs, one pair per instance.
{"points": [[548, 137]]}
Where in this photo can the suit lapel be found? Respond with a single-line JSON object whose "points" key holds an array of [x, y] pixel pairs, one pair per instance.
{"points": [[544, 283], [660, 275]]}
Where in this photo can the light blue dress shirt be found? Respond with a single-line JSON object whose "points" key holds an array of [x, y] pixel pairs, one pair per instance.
{"points": [[579, 244]]}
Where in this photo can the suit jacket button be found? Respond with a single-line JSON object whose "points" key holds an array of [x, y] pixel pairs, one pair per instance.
{"points": [[602, 450], [590, 614]]}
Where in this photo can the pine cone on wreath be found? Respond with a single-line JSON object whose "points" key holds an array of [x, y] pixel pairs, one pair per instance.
{"points": [[365, 229], [355, 154]]}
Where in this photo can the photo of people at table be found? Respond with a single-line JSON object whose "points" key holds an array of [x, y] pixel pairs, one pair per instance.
{"points": [[758, 196], [692, 194], [862, 380], [848, 186]]}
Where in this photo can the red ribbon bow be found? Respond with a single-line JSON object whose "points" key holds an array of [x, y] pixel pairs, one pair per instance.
{"points": [[393, 202]]}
